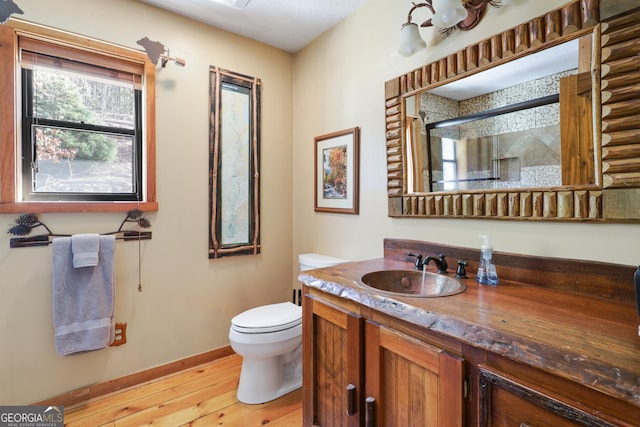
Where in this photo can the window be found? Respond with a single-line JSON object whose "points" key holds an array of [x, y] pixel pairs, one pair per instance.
{"points": [[81, 138], [82, 130], [449, 172]]}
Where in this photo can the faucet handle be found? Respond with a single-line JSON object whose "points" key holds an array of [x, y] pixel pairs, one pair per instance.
{"points": [[461, 272], [418, 257], [443, 266]]}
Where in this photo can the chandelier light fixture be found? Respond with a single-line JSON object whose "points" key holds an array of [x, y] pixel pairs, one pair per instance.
{"points": [[451, 14]]}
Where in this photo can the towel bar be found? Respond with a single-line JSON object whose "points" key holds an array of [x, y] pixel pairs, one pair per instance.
{"points": [[25, 223]]}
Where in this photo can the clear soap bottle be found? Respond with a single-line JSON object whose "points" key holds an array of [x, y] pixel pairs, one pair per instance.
{"points": [[487, 274]]}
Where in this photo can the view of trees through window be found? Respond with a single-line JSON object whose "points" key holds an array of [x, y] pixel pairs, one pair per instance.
{"points": [[83, 132]]}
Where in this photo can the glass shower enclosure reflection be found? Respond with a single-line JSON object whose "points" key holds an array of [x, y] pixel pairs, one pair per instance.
{"points": [[480, 152]]}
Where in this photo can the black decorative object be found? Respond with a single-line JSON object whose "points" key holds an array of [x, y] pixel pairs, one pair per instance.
{"points": [[136, 216], [157, 52], [153, 48], [8, 8], [25, 223]]}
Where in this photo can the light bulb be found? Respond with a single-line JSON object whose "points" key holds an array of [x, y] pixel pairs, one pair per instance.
{"points": [[449, 16], [410, 40], [449, 13]]}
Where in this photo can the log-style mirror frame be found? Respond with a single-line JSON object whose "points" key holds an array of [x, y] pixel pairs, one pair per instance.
{"points": [[616, 195], [250, 166]]}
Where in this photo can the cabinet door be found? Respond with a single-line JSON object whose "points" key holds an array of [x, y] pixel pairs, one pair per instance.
{"points": [[332, 365], [506, 401], [410, 383]]}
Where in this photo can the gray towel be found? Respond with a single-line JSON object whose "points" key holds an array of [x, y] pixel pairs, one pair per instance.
{"points": [[85, 249], [83, 298]]}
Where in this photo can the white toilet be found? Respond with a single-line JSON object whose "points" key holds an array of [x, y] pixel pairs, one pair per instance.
{"points": [[269, 339]]}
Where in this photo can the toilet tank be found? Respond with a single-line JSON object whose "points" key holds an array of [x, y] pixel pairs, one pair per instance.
{"points": [[311, 261]]}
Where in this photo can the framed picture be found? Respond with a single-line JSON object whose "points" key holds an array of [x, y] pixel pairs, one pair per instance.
{"points": [[337, 171]]}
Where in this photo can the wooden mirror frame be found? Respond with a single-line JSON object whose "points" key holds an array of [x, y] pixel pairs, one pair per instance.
{"points": [[248, 241], [616, 195]]}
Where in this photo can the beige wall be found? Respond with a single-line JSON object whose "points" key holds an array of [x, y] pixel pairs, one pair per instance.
{"points": [[188, 300], [340, 84]]}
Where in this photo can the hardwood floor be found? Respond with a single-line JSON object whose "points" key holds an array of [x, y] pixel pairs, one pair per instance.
{"points": [[200, 396]]}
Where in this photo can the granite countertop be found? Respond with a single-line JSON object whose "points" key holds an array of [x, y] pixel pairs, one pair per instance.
{"points": [[588, 340]]}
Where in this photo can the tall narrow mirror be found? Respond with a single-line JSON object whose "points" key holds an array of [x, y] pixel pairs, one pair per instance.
{"points": [[234, 164]]}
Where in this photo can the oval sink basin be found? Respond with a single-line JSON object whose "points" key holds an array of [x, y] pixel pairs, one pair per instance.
{"points": [[411, 283]]}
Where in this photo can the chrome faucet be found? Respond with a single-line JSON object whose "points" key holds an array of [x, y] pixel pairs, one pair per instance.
{"points": [[440, 262]]}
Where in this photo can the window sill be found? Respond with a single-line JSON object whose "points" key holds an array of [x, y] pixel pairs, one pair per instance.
{"points": [[70, 207]]}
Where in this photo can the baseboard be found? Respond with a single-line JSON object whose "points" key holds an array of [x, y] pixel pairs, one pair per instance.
{"points": [[95, 390]]}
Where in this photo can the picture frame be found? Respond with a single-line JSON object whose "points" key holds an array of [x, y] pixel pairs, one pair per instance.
{"points": [[337, 171]]}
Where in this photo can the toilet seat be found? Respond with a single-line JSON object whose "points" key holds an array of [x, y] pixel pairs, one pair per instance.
{"points": [[268, 319]]}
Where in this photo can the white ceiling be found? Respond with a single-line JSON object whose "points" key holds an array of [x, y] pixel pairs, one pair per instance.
{"points": [[286, 24]]}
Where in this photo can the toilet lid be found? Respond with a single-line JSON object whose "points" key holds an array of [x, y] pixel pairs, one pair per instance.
{"points": [[268, 318]]}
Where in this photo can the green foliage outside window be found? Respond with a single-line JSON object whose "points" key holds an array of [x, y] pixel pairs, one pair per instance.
{"points": [[67, 98]]}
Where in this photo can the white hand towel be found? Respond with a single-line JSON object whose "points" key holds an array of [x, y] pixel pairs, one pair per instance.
{"points": [[85, 249], [83, 298]]}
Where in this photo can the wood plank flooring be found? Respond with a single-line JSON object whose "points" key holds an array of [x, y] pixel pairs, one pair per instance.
{"points": [[200, 396]]}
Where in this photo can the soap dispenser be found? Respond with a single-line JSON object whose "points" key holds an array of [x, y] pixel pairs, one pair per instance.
{"points": [[487, 274]]}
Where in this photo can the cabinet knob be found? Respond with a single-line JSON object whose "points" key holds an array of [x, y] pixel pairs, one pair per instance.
{"points": [[351, 400], [369, 414]]}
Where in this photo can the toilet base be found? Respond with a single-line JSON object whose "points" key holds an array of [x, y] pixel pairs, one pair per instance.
{"points": [[263, 380]]}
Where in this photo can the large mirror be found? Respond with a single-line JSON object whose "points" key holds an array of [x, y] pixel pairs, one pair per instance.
{"points": [[502, 128], [521, 125]]}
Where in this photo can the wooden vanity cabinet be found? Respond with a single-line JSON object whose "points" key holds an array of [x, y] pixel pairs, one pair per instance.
{"points": [[511, 394], [409, 382], [364, 369], [508, 402], [332, 348], [522, 363], [358, 372]]}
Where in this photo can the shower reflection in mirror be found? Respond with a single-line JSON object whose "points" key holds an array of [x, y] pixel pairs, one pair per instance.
{"points": [[507, 138]]}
